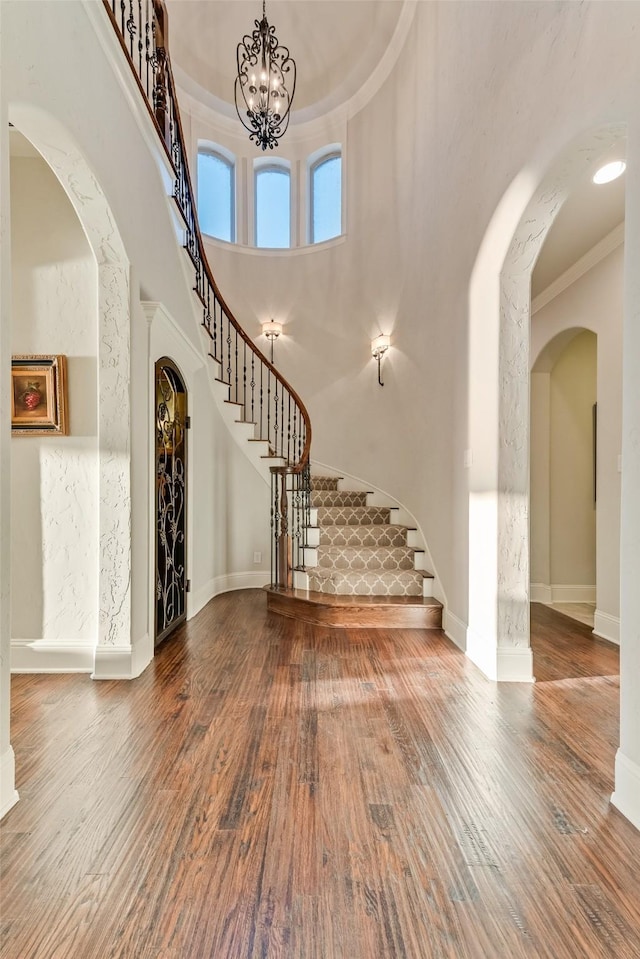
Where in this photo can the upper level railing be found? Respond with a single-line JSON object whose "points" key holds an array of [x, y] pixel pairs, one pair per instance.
{"points": [[262, 394]]}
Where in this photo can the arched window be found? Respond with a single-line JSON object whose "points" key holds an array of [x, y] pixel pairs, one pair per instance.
{"points": [[216, 193], [325, 185], [272, 206]]}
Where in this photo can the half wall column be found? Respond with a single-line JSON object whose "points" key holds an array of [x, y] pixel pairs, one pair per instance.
{"points": [[627, 768]]}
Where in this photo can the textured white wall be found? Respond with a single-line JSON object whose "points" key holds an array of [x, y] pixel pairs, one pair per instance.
{"points": [[420, 200], [54, 479], [572, 512], [595, 302]]}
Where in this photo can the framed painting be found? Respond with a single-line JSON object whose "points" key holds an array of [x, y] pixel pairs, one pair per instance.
{"points": [[39, 395]]}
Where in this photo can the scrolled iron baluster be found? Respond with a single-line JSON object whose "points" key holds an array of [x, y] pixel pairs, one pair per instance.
{"points": [[252, 384]]}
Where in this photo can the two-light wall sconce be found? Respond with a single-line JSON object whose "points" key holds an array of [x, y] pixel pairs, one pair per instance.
{"points": [[379, 347], [272, 330]]}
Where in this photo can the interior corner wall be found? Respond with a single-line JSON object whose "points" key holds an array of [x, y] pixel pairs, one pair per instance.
{"points": [[595, 302], [539, 504], [572, 508], [54, 541], [420, 200]]}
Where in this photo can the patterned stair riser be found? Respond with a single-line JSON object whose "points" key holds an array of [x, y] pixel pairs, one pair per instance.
{"points": [[365, 558], [325, 482], [366, 583], [337, 498], [353, 516], [357, 536]]}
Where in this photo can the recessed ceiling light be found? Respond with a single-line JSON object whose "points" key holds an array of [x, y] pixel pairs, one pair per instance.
{"points": [[610, 171]]}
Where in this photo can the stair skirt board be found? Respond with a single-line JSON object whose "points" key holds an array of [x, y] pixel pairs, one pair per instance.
{"points": [[355, 612]]}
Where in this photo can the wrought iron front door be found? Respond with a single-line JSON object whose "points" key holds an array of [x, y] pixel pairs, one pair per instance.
{"points": [[171, 498]]}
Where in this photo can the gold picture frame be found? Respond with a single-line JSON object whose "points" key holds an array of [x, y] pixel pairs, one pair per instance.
{"points": [[39, 394]]}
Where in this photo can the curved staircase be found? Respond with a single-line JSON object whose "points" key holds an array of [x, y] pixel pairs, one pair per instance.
{"points": [[360, 568]]}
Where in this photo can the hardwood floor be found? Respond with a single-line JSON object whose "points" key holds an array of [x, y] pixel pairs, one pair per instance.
{"points": [[273, 789]]}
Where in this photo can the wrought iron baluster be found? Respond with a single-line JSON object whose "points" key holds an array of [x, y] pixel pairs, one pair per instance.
{"points": [[236, 366], [276, 401], [282, 421], [252, 384], [269, 409], [215, 328], [261, 401], [148, 58], [244, 380]]}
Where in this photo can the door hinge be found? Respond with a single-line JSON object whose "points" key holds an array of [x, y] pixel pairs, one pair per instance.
{"points": [[187, 588], [187, 423]]}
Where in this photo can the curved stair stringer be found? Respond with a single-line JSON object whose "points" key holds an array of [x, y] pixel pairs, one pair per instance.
{"points": [[243, 432]]}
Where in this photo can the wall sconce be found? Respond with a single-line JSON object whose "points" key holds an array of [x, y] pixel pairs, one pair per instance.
{"points": [[379, 347], [272, 331]]}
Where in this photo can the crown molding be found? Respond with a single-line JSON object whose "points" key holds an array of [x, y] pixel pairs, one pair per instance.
{"points": [[603, 248]]}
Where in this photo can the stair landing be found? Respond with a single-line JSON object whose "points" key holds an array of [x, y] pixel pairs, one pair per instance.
{"points": [[352, 612]]}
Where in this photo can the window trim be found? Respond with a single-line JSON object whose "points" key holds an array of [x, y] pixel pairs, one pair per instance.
{"points": [[315, 161], [271, 166], [229, 160]]}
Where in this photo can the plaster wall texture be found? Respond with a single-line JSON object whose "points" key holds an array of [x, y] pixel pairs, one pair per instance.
{"points": [[420, 201], [125, 159], [54, 478], [595, 303], [573, 515], [489, 123]]}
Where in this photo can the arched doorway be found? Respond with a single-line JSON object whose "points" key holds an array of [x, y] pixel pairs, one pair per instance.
{"points": [[171, 424], [499, 381], [563, 486]]}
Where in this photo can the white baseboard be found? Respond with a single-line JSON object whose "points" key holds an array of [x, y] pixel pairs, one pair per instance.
{"points": [[225, 584], [455, 629], [509, 664], [606, 626], [573, 594], [8, 792], [50, 656], [122, 662], [540, 593], [626, 797]]}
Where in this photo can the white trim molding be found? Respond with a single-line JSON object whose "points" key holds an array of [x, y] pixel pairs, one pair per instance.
{"points": [[8, 792], [52, 656], [225, 584], [606, 626], [123, 661], [503, 664], [540, 593], [455, 629], [626, 797], [573, 594], [607, 245]]}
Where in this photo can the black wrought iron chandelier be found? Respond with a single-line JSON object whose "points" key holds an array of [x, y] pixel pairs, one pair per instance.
{"points": [[265, 84]]}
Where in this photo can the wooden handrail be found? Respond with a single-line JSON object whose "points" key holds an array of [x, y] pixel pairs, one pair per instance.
{"points": [[154, 75]]}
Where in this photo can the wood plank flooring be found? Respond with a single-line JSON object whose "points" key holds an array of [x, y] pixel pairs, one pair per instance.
{"points": [[278, 790]]}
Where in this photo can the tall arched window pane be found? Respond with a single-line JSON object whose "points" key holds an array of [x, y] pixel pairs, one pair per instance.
{"points": [[215, 196], [326, 199], [273, 207]]}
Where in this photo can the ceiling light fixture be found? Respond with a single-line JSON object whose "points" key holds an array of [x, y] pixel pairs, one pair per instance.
{"points": [[610, 171], [265, 73]]}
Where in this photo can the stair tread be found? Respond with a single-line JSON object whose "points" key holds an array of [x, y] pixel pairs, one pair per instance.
{"points": [[352, 515], [363, 582], [353, 612], [365, 557]]}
